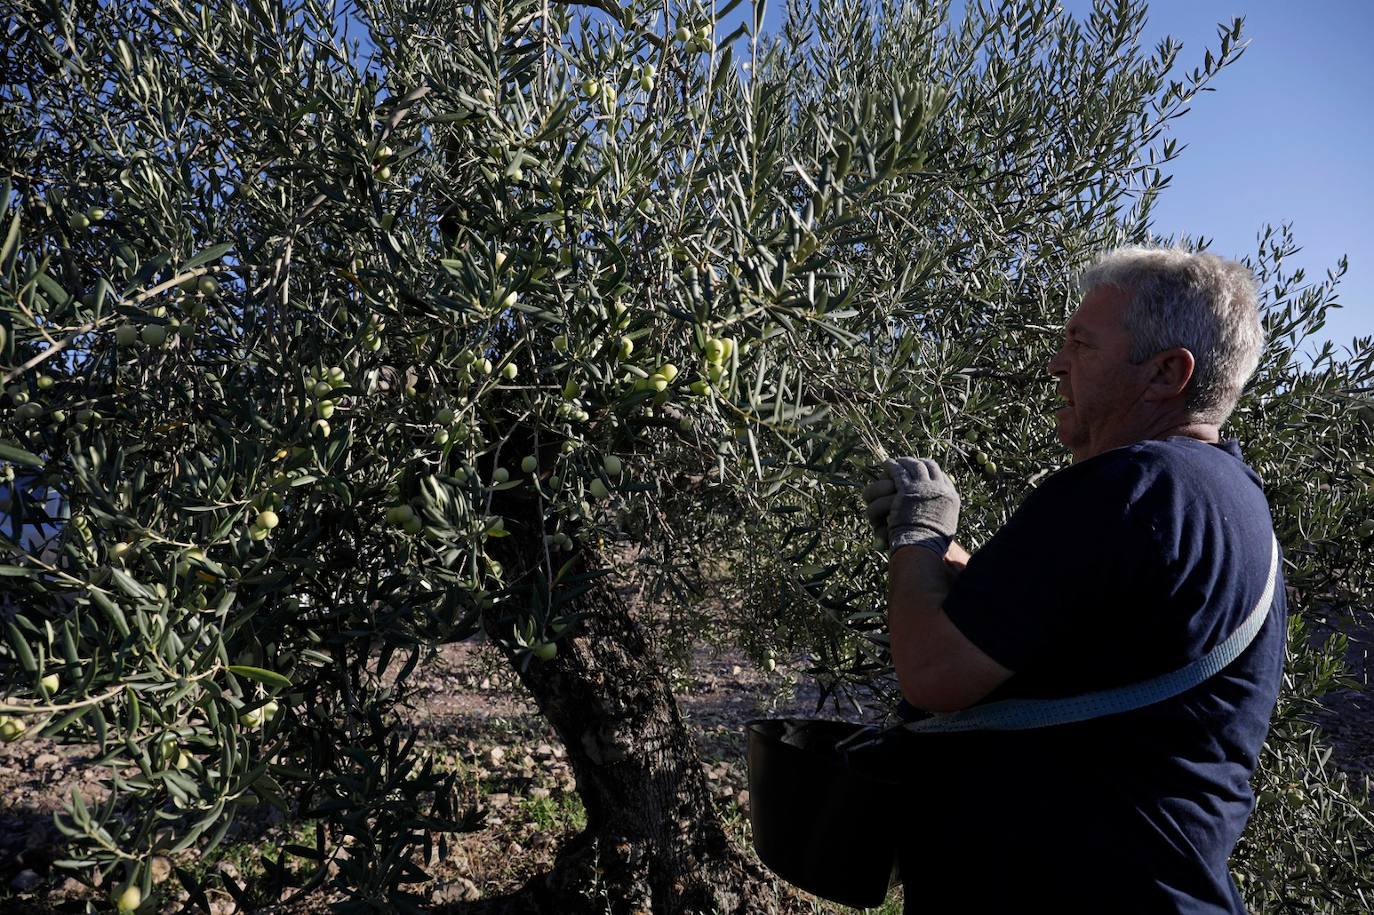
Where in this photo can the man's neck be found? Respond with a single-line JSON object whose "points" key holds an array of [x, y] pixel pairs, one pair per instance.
{"points": [[1203, 432]]}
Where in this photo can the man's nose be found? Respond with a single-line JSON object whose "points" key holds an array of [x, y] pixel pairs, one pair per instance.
{"points": [[1056, 365]]}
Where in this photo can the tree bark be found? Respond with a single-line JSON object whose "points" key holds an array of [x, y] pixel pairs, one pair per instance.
{"points": [[654, 841]]}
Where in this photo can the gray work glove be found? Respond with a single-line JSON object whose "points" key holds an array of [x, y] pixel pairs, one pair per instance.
{"points": [[916, 505], [879, 496]]}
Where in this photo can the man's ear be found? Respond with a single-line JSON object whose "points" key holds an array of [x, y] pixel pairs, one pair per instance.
{"points": [[1173, 369]]}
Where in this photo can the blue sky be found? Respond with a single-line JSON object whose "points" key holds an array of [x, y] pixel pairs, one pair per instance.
{"points": [[1286, 137]]}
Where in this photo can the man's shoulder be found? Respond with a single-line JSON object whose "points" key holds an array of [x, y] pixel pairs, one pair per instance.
{"points": [[1138, 486], [1119, 471]]}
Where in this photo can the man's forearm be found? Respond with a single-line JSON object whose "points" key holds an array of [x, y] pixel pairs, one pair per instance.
{"points": [[917, 584], [938, 668]]}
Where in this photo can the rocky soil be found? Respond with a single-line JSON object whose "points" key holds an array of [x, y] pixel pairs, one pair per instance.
{"points": [[476, 718]]}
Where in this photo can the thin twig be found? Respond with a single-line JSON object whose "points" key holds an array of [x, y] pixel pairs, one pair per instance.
{"points": [[43, 709]]}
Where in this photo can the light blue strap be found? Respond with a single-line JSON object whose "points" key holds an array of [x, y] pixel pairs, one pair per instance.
{"points": [[1020, 714]]}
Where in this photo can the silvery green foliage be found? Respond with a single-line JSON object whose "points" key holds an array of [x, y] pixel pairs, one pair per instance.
{"points": [[862, 242], [1049, 173]]}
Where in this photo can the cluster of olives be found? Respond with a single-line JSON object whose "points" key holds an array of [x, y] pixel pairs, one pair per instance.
{"points": [[698, 40], [255, 718], [266, 520], [404, 517], [11, 729], [322, 384], [372, 333], [80, 222], [380, 162]]}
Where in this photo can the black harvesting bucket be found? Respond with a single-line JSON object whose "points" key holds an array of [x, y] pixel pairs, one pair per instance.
{"points": [[823, 816]]}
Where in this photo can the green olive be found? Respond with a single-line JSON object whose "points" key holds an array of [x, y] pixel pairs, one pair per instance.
{"points": [[128, 901]]}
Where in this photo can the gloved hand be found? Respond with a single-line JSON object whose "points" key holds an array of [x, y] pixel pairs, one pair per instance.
{"points": [[879, 495], [916, 505]]}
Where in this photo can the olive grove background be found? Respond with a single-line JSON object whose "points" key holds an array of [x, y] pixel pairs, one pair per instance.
{"points": [[327, 365]]}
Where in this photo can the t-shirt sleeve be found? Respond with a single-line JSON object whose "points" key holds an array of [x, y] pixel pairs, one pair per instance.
{"points": [[1047, 581]]}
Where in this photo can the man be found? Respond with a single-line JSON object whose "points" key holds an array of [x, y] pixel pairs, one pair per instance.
{"points": [[1137, 559]]}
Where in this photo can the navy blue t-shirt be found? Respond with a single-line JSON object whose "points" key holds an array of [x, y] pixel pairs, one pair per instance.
{"points": [[1114, 570]]}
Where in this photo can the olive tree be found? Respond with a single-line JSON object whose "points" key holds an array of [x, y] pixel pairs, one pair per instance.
{"points": [[331, 363]]}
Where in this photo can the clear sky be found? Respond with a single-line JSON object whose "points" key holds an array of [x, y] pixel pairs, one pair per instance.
{"points": [[1286, 137]]}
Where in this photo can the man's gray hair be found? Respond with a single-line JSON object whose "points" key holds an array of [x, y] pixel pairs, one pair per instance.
{"points": [[1204, 303]]}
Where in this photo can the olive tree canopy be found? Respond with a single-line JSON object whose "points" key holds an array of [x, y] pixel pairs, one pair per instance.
{"points": [[328, 364]]}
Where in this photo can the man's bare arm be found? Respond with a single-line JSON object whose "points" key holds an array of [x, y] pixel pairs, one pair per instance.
{"points": [[938, 669]]}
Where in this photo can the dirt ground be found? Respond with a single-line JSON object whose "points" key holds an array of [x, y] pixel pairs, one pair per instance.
{"points": [[477, 718]]}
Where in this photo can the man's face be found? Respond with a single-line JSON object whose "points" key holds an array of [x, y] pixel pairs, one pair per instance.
{"points": [[1096, 377]]}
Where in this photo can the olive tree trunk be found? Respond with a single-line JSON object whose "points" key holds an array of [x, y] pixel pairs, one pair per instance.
{"points": [[654, 841]]}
